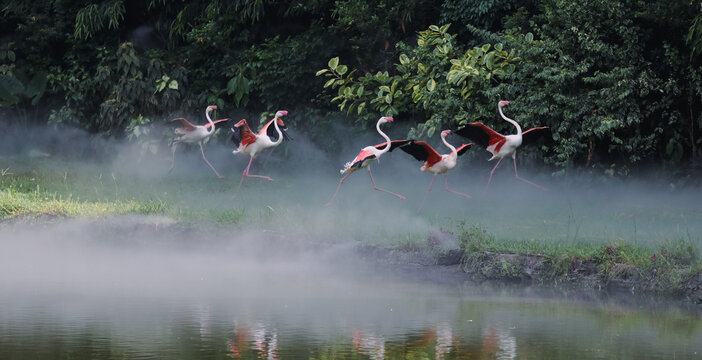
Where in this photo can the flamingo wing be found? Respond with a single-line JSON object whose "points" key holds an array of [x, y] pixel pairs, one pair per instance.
{"points": [[187, 125], [484, 136], [394, 144], [208, 125], [269, 130], [533, 135], [480, 133], [242, 134], [422, 151], [357, 162], [463, 148]]}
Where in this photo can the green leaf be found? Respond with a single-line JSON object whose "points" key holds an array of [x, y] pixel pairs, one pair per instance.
{"points": [[456, 62], [434, 28], [173, 85], [359, 91], [529, 37], [342, 69], [384, 88], [485, 47], [333, 63], [489, 60], [431, 85], [498, 46], [404, 59], [361, 106], [329, 82], [320, 72]]}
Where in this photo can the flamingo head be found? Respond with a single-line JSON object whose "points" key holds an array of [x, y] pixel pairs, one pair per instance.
{"points": [[445, 132], [503, 103], [241, 122], [212, 107], [386, 119], [280, 113]]}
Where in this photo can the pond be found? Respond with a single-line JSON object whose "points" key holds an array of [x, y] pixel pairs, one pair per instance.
{"points": [[88, 293]]}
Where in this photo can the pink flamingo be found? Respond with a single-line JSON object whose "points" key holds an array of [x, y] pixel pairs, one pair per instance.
{"points": [[434, 162], [501, 146], [195, 133], [367, 155], [250, 143]]}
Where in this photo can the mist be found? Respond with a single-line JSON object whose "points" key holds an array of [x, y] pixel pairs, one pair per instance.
{"points": [[288, 240], [276, 267], [575, 208]]}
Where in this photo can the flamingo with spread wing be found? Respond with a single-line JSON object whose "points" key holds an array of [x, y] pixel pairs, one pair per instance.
{"points": [[250, 143], [195, 133], [501, 146], [434, 162]]}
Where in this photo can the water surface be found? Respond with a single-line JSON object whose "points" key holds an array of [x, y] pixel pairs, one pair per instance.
{"points": [[88, 292]]}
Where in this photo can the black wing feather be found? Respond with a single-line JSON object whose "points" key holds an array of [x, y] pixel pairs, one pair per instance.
{"points": [[270, 131], [417, 151], [393, 144], [463, 148], [474, 133], [236, 136]]}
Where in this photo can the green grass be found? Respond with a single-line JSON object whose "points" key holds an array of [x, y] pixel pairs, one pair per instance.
{"points": [[664, 268]]}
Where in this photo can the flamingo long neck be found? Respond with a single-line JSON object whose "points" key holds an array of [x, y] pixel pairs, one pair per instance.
{"points": [[280, 133], [519, 129], [451, 147], [207, 114], [387, 138]]}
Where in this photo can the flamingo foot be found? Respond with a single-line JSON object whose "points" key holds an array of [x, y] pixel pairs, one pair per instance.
{"points": [[260, 176]]}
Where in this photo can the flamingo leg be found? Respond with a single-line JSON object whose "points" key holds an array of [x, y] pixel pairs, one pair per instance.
{"points": [[383, 190], [255, 176], [337, 189], [453, 191], [208, 163], [246, 171], [523, 179], [492, 172], [173, 146], [427, 194]]}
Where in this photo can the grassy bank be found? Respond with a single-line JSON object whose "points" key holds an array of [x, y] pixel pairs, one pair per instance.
{"points": [[666, 268]]}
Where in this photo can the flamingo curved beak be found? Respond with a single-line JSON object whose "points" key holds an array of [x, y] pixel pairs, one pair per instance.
{"points": [[389, 118]]}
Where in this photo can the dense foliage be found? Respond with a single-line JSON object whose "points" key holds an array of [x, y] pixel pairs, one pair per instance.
{"points": [[619, 83]]}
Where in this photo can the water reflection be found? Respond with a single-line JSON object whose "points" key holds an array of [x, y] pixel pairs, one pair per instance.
{"points": [[465, 326], [82, 299]]}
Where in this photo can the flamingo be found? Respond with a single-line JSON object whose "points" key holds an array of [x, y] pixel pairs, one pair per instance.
{"points": [[434, 162], [501, 146], [367, 155], [250, 143], [195, 133]]}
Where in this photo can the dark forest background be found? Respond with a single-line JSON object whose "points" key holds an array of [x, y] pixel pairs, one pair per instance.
{"points": [[618, 82]]}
